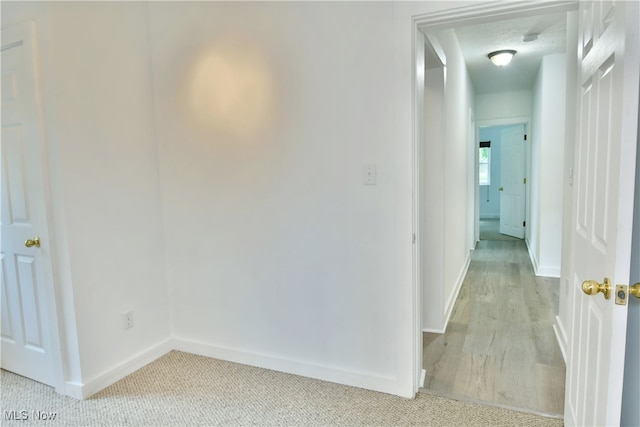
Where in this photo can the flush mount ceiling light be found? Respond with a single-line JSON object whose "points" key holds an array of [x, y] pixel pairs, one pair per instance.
{"points": [[501, 57]]}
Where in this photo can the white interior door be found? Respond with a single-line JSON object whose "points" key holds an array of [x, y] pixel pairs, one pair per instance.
{"points": [[512, 174], [25, 274], [603, 206]]}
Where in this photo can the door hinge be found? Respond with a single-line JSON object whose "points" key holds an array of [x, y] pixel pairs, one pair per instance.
{"points": [[414, 238], [524, 223], [525, 136], [524, 180]]}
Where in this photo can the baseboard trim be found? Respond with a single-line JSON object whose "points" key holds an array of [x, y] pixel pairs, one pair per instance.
{"points": [[384, 384], [539, 270], [452, 298], [532, 257], [548, 271], [73, 389], [83, 391], [561, 337], [454, 295]]}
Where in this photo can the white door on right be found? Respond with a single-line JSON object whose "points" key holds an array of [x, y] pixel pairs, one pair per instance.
{"points": [[603, 192], [512, 186]]}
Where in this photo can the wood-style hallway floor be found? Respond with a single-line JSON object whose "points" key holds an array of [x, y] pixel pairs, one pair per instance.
{"points": [[490, 230], [499, 346]]}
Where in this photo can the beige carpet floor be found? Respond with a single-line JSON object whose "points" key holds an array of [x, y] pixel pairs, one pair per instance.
{"points": [[182, 389]]}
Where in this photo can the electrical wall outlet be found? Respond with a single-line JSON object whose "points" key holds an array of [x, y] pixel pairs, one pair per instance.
{"points": [[128, 320]]}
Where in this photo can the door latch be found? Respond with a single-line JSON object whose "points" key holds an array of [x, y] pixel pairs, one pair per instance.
{"points": [[621, 294]]}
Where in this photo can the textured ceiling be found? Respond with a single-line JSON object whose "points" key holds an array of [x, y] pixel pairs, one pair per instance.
{"points": [[478, 40]]}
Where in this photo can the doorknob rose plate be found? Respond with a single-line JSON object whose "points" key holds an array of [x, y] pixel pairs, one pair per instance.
{"points": [[592, 287]]}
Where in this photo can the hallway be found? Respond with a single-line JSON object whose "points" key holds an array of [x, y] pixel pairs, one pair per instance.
{"points": [[499, 346]]}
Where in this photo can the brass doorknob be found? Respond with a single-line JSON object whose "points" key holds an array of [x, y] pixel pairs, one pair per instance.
{"points": [[592, 287], [635, 290], [33, 242]]}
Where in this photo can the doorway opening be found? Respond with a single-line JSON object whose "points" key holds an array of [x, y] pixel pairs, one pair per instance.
{"points": [[481, 312], [502, 175]]}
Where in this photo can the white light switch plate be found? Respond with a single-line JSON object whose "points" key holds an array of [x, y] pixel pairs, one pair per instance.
{"points": [[369, 174]]}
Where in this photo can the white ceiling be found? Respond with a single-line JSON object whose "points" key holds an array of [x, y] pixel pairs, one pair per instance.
{"points": [[478, 41]]}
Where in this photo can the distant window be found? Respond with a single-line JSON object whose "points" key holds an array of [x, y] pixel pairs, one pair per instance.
{"points": [[484, 166]]}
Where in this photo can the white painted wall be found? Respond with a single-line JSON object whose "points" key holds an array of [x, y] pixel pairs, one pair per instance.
{"points": [[446, 251], [503, 105], [277, 254], [433, 207], [544, 232], [459, 96], [108, 170]]}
